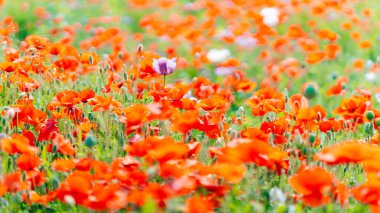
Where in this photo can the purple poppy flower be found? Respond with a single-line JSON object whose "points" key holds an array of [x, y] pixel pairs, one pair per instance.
{"points": [[164, 66]]}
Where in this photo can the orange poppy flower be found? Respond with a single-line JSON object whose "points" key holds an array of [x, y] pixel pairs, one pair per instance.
{"points": [[327, 34], [100, 103], [315, 57], [17, 144], [266, 100], [258, 152], [13, 182], [365, 44], [28, 162], [42, 44], [212, 103], [347, 152], [86, 94], [337, 89], [199, 204], [353, 108], [313, 184], [61, 145], [232, 173], [185, 122], [35, 178], [368, 192], [67, 98], [332, 50], [63, 165], [158, 148], [8, 66]]}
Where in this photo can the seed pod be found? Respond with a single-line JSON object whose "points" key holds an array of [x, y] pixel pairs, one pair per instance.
{"points": [[90, 141], [311, 91], [370, 115], [312, 138], [368, 128], [377, 122]]}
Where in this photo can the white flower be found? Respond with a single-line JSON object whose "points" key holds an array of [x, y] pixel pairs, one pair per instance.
{"points": [[218, 56], [276, 195], [69, 199], [11, 112], [3, 135], [370, 76], [270, 16], [369, 64], [377, 96], [246, 42], [223, 71]]}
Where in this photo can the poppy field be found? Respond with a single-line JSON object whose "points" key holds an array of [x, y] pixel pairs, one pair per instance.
{"points": [[190, 106]]}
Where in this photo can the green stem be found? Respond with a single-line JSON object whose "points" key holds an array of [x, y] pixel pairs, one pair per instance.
{"points": [[164, 80]]}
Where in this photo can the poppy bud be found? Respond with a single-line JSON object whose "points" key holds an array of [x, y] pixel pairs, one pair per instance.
{"points": [[312, 138], [55, 182], [55, 148], [311, 91], [377, 122], [370, 115], [90, 116], [140, 48], [287, 135], [90, 141], [91, 60], [304, 151], [368, 128], [286, 94]]}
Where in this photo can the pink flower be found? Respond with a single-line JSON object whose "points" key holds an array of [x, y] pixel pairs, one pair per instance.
{"points": [[164, 66]]}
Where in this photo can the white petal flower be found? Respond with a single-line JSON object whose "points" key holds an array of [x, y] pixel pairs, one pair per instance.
{"points": [[246, 42], [223, 71], [370, 76], [218, 56], [270, 16], [276, 195], [377, 96]]}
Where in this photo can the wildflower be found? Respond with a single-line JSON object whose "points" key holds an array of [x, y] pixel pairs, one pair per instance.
{"points": [[313, 183], [270, 16], [3, 135], [218, 56], [347, 152], [377, 96], [246, 42], [370, 76], [277, 195], [223, 71], [164, 66]]}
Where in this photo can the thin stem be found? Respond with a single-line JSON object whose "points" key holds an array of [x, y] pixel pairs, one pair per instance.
{"points": [[164, 80]]}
